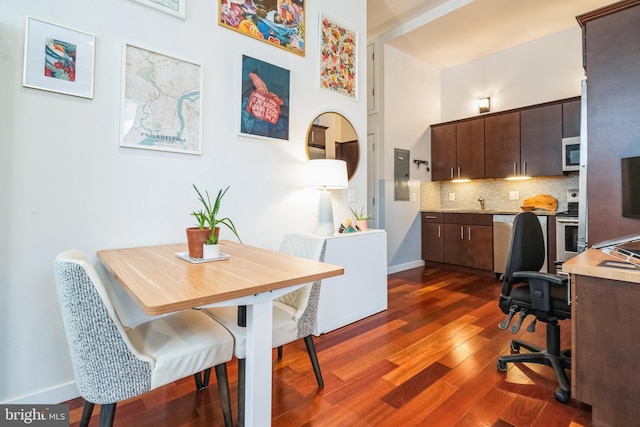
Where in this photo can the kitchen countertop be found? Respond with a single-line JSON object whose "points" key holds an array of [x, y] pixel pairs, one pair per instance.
{"points": [[491, 211]]}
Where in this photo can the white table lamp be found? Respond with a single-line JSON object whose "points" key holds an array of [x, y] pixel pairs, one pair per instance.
{"points": [[325, 174]]}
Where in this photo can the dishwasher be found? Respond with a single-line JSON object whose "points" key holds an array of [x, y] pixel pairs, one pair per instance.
{"points": [[502, 230]]}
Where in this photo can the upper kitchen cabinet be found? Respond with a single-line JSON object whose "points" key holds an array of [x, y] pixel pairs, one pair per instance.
{"points": [[521, 142], [470, 149], [571, 118], [541, 141], [457, 150], [443, 151], [502, 145]]}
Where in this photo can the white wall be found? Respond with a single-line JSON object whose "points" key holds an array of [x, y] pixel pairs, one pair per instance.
{"points": [[411, 103], [65, 182], [542, 70]]}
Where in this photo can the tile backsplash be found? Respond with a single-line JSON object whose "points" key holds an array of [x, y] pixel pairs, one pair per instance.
{"points": [[495, 192]]}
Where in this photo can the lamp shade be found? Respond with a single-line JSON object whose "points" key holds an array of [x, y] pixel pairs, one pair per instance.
{"points": [[326, 174]]}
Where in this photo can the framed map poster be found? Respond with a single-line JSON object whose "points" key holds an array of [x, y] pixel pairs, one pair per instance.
{"points": [[338, 58], [264, 99], [279, 23], [177, 8], [161, 102], [58, 59]]}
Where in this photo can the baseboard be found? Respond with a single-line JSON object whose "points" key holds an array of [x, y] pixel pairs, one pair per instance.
{"points": [[402, 267], [50, 396]]}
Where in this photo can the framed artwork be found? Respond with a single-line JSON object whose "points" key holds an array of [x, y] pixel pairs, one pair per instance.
{"points": [[161, 102], [58, 59], [264, 101], [338, 58], [177, 8], [279, 23]]}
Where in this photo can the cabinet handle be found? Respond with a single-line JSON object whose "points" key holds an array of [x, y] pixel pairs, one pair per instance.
{"points": [[438, 232], [458, 172], [461, 233], [430, 217], [524, 168], [515, 169], [451, 172], [469, 231]]}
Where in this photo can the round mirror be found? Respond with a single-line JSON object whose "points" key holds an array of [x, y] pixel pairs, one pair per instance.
{"points": [[332, 136]]}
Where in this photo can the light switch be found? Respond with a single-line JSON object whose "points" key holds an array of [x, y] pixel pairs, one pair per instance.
{"points": [[514, 195], [452, 197], [353, 196]]}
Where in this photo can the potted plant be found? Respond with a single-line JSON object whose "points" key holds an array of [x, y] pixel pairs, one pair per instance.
{"points": [[361, 219], [208, 228]]}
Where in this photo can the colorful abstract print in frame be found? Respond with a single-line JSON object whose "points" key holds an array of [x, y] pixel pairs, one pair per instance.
{"points": [[279, 23], [60, 60], [338, 58]]}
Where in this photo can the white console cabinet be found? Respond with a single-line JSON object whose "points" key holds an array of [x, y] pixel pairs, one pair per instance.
{"points": [[362, 290]]}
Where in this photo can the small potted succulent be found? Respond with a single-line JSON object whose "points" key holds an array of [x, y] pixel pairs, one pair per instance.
{"points": [[361, 219], [203, 239]]}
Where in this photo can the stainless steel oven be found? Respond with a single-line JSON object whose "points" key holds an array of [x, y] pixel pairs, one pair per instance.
{"points": [[566, 237]]}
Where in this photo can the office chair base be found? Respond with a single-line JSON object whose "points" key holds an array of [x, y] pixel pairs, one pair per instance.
{"points": [[559, 362]]}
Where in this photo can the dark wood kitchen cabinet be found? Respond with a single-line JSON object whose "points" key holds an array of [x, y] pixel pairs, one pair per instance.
{"points": [[541, 141], [502, 145], [612, 60], [523, 141], [433, 236], [571, 118], [468, 240], [457, 150], [443, 151], [317, 136]]}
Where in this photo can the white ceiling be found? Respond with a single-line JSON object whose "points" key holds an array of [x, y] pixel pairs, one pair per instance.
{"points": [[472, 28]]}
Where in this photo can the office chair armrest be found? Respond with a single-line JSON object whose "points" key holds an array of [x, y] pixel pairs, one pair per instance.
{"points": [[552, 278], [540, 287]]}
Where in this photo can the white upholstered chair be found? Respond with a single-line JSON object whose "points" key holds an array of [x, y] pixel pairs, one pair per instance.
{"points": [[294, 314], [112, 363]]}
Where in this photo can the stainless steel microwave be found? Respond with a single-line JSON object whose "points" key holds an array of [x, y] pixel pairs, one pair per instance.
{"points": [[571, 154]]}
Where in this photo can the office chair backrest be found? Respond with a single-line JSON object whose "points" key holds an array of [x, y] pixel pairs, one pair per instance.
{"points": [[107, 368], [527, 250], [304, 300]]}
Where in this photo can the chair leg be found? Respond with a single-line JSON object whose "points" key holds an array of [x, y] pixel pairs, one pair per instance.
{"points": [[311, 349], [223, 390], [107, 414], [202, 384], [280, 352], [242, 373], [87, 410]]}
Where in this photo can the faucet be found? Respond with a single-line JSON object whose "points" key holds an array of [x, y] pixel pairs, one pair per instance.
{"points": [[481, 200]]}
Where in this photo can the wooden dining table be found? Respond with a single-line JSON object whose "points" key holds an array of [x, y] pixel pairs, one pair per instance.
{"points": [[161, 282]]}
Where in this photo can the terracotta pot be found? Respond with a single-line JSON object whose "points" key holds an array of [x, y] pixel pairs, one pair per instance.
{"points": [[195, 239], [363, 225]]}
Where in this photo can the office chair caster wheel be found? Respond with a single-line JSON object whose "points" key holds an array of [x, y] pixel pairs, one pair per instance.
{"points": [[515, 347], [502, 366], [562, 396]]}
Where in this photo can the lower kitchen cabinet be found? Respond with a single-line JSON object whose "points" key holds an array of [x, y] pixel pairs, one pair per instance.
{"points": [[464, 239], [362, 290], [433, 236]]}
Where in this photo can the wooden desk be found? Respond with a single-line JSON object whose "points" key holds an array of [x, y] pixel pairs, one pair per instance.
{"points": [[605, 341], [160, 283]]}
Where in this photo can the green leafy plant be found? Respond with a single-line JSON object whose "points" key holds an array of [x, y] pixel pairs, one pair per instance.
{"points": [[361, 216], [209, 216]]}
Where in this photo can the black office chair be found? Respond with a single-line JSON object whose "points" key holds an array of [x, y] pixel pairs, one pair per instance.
{"points": [[525, 290]]}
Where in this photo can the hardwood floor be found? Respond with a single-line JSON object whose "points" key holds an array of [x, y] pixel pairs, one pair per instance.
{"points": [[429, 360]]}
